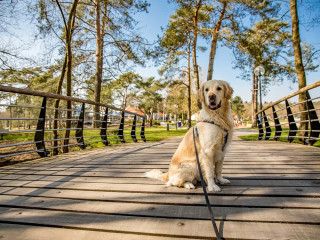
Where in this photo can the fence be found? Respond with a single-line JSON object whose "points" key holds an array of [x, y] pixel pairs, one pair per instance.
{"points": [[289, 121], [33, 122]]}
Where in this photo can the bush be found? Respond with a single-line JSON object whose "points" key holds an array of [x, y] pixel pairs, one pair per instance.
{"points": [[156, 122]]}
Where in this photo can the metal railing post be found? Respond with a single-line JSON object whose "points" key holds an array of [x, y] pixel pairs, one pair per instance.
{"points": [[292, 124], [104, 126], [121, 128], [142, 131], [79, 131], [267, 126], [260, 128], [313, 121], [133, 130], [278, 127], [39, 135]]}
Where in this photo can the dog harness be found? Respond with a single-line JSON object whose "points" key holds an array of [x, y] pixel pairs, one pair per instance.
{"points": [[224, 129]]}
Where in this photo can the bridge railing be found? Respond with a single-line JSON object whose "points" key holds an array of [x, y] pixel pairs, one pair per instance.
{"points": [[31, 124], [282, 119]]}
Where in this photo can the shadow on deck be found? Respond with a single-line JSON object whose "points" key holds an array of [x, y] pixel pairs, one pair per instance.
{"points": [[102, 194]]}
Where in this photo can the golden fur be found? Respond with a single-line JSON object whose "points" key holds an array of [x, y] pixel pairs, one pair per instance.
{"points": [[183, 170]]}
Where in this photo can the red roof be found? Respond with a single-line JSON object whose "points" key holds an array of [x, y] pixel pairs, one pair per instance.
{"points": [[135, 110]]}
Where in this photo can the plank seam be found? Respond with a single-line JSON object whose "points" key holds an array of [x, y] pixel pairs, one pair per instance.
{"points": [[155, 217], [161, 203]]}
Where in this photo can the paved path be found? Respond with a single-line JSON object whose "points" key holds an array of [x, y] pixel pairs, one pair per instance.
{"points": [[102, 194]]}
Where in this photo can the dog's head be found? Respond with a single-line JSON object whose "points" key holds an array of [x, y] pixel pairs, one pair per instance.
{"points": [[214, 94]]}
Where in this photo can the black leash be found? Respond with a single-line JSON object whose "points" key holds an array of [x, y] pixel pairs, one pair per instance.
{"points": [[204, 187]]}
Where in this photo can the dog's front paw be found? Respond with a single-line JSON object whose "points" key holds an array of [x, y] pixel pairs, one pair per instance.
{"points": [[188, 185], [214, 188], [223, 181]]}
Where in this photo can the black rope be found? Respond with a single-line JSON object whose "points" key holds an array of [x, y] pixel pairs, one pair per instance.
{"points": [[213, 221]]}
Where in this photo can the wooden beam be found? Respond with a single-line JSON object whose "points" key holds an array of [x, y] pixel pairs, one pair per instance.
{"points": [[61, 97], [311, 86]]}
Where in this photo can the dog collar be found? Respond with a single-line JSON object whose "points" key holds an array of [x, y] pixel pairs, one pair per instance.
{"points": [[224, 129]]}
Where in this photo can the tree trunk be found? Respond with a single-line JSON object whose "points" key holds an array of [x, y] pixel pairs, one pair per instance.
{"points": [[254, 100], [299, 65], [69, 91], [69, 71], [151, 118], [214, 41], [56, 106], [99, 63], [194, 49], [124, 99], [189, 83]]}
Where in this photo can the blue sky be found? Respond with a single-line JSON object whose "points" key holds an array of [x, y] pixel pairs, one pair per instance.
{"points": [[158, 16]]}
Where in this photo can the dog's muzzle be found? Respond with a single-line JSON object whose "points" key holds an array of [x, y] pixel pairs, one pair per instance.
{"points": [[213, 106], [212, 103]]}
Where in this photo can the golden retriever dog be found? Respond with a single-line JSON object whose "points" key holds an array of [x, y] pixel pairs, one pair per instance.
{"points": [[213, 136]]}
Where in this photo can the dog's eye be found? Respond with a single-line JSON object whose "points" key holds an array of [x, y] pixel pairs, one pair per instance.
{"points": [[219, 88], [207, 89]]}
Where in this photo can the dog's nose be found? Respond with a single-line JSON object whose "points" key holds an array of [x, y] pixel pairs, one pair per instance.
{"points": [[212, 96]]}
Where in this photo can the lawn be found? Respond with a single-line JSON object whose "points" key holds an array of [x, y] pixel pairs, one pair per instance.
{"points": [[153, 134], [159, 133], [283, 138]]}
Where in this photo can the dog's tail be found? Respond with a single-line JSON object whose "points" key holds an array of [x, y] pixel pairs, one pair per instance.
{"points": [[157, 174]]}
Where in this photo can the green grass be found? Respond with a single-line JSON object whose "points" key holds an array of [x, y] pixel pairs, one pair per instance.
{"points": [[159, 134], [153, 134], [19, 136], [283, 138]]}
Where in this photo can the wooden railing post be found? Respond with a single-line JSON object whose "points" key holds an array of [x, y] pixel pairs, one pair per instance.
{"points": [[277, 125], [259, 121], [292, 124], [313, 121], [142, 131], [103, 131], [39, 135], [79, 131], [267, 126], [133, 129], [121, 129]]}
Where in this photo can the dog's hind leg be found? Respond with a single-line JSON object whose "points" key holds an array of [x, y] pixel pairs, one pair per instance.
{"points": [[184, 177]]}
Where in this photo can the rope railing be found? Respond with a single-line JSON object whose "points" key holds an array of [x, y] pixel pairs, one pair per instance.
{"points": [[281, 119], [31, 124]]}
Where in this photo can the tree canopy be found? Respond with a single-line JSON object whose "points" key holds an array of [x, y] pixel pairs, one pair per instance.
{"points": [[92, 48]]}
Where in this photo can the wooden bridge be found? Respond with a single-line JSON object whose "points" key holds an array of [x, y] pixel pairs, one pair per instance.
{"points": [[103, 194]]}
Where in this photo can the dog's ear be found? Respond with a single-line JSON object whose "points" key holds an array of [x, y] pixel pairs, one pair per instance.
{"points": [[228, 91], [200, 93]]}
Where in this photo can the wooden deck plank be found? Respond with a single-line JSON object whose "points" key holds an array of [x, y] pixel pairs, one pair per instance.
{"points": [[159, 226], [29, 232], [285, 182], [227, 189], [274, 194], [173, 199], [164, 167], [140, 172], [165, 159], [253, 214]]}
